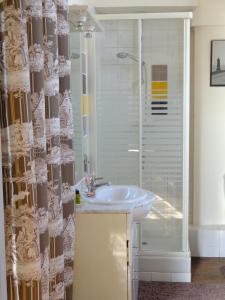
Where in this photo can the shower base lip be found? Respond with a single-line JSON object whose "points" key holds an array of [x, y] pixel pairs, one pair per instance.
{"points": [[147, 253], [170, 266]]}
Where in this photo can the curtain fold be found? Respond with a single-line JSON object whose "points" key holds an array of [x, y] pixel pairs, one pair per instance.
{"points": [[37, 153]]}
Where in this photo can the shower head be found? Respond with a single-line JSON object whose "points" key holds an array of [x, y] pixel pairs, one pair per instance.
{"points": [[123, 55]]}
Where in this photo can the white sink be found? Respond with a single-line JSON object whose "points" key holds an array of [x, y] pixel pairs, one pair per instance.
{"points": [[122, 197]]}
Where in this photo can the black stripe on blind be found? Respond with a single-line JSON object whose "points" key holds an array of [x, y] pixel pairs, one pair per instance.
{"points": [[159, 102], [159, 108], [159, 114]]}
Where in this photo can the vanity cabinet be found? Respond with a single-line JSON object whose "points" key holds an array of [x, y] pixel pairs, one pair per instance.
{"points": [[104, 257]]}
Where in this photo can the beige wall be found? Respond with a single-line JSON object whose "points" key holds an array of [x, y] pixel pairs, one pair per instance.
{"points": [[122, 3], [78, 2], [209, 119], [209, 13]]}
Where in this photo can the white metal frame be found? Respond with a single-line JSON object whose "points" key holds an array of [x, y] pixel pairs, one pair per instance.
{"points": [[91, 48], [143, 16], [186, 16], [140, 98], [186, 131], [85, 138]]}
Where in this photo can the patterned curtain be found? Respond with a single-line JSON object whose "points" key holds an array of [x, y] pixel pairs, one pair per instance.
{"points": [[37, 154]]}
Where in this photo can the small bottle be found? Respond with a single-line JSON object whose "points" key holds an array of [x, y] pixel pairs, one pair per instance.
{"points": [[77, 197]]}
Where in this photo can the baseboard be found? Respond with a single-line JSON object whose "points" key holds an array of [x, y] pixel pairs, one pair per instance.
{"points": [[165, 277], [207, 241], [165, 268]]}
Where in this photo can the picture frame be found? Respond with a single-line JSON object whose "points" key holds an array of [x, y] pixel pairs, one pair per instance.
{"points": [[217, 63]]}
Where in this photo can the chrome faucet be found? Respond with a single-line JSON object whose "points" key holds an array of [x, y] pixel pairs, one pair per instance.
{"points": [[92, 184]]}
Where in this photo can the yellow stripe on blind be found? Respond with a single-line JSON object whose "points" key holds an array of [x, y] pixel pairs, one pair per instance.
{"points": [[159, 85], [154, 92], [159, 97], [84, 105]]}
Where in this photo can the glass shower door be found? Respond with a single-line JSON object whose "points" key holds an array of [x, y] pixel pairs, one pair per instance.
{"points": [[117, 102], [162, 134]]}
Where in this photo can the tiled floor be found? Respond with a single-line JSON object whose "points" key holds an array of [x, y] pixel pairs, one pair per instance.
{"points": [[208, 270]]}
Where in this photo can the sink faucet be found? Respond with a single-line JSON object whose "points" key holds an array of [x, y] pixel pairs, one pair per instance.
{"points": [[92, 183]]}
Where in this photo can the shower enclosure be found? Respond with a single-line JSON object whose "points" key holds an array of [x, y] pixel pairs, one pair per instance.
{"points": [[139, 122]]}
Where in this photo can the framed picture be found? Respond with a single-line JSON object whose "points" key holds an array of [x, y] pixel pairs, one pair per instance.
{"points": [[217, 72]]}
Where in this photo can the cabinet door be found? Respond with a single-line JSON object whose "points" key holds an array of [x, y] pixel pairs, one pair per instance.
{"points": [[101, 257]]}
